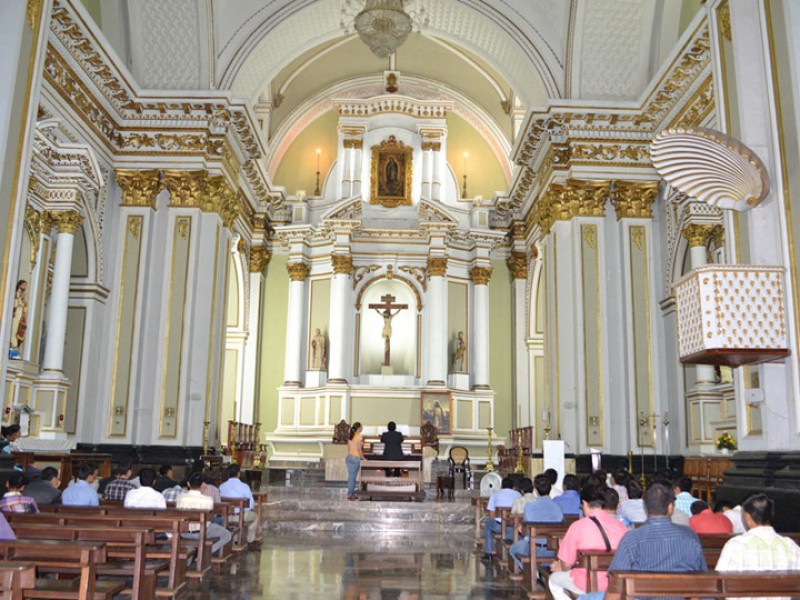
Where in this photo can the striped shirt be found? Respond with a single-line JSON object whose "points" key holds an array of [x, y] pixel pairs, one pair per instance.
{"points": [[659, 545], [15, 502], [760, 549], [117, 489]]}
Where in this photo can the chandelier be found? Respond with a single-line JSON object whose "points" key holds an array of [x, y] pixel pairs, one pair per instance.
{"points": [[383, 25]]}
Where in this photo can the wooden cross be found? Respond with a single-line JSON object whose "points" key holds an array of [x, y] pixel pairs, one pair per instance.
{"points": [[384, 309]]}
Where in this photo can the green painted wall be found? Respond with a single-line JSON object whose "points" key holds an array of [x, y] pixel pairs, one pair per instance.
{"points": [[484, 175], [94, 7], [500, 343], [273, 339], [689, 9], [297, 170]]}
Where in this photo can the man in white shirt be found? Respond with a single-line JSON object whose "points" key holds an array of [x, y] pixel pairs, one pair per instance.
{"points": [[145, 496], [234, 487], [760, 548], [194, 499]]}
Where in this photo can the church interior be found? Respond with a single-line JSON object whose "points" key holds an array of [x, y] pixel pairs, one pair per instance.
{"points": [[550, 233]]}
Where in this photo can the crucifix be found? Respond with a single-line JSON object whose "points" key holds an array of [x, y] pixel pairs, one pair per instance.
{"points": [[384, 309]]}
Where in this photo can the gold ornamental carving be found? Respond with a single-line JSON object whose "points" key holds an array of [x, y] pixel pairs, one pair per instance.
{"points": [[353, 144], [718, 236], [34, 10], [184, 187], [259, 258], [33, 225], [66, 221], [518, 265], [392, 166], [139, 188], [698, 234], [437, 266], [135, 226], [195, 189], [724, 21], [575, 198], [434, 146], [298, 271], [418, 273], [220, 198], [480, 275], [342, 264], [634, 199]]}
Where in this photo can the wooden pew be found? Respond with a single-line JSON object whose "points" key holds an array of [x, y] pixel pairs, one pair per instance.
{"points": [[15, 578], [530, 565], [479, 504], [627, 585], [172, 550], [51, 554], [238, 529], [120, 542]]}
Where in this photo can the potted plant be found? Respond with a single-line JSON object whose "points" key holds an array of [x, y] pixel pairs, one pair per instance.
{"points": [[726, 442]]}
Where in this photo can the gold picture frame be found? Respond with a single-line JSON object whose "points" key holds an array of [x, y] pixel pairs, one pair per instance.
{"points": [[437, 407], [390, 180]]}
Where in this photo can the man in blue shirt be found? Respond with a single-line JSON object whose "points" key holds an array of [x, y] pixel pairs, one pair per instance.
{"points": [[234, 487], [658, 545], [81, 492], [683, 495], [542, 510], [502, 498], [570, 500]]}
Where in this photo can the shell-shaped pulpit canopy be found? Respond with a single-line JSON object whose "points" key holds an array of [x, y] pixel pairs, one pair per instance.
{"points": [[710, 166]]}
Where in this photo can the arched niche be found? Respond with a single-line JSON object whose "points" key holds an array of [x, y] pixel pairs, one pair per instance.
{"points": [[405, 326]]}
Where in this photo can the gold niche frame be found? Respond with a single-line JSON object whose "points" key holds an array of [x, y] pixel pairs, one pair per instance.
{"points": [[390, 179]]}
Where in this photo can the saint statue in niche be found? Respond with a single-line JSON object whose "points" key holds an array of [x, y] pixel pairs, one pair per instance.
{"points": [[19, 320], [459, 353], [319, 352]]}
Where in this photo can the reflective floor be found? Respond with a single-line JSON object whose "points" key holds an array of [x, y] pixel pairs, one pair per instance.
{"points": [[356, 567]]}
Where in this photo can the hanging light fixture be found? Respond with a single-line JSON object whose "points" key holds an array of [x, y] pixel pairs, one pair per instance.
{"points": [[383, 25]]}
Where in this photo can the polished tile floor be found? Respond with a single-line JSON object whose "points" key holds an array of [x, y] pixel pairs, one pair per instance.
{"points": [[326, 566]]}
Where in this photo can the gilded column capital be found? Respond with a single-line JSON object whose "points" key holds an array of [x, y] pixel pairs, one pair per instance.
{"points": [[298, 271], [355, 144], [575, 198], [634, 199], [139, 188], [480, 275], [437, 266], [342, 264], [220, 198], [698, 234], [433, 146], [518, 265], [259, 258], [185, 187], [66, 221], [718, 236]]}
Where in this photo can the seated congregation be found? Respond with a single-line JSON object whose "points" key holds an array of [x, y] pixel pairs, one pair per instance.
{"points": [[143, 536], [607, 537]]}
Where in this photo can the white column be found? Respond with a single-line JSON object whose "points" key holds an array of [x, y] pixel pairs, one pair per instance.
{"points": [[340, 296], [258, 260], [298, 273], [347, 170], [518, 263], [480, 345], [67, 222], [698, 236], [436, 184], [357, 168], [437, 338], [427, 152]]}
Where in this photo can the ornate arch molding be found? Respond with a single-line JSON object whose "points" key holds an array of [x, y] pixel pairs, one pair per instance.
{"points": [[365, 87], [363, 287], [278, 37]]}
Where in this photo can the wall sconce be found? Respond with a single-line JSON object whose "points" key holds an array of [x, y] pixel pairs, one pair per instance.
{"points": [[317, 190], [464, 189]]}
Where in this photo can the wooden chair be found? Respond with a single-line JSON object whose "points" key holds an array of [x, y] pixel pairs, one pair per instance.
{"points": [[458, 462]]}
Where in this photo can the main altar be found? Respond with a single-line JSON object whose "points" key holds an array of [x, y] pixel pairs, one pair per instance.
{"points": [[388, 308]]}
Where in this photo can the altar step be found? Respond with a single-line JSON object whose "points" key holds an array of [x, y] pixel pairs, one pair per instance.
{"points": [[327, 509]]}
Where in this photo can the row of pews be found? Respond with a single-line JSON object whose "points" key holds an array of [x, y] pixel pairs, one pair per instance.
{"points": [[95, 553], [630, 585]]}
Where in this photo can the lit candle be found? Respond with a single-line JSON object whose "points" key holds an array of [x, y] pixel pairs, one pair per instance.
{"points": [[319, 151], [466, 156]]}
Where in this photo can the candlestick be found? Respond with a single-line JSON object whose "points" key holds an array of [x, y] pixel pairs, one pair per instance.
{"points": [[520, 465], [489, 453], [464, 189], [317, 190]]}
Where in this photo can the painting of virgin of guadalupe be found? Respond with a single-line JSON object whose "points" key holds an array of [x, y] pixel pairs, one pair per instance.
{"points": [[391, 173]]}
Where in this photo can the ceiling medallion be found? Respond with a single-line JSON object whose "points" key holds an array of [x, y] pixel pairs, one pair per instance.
{"points": [[383, 25]]}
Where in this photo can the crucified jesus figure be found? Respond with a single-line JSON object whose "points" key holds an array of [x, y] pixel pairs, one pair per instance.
{"points": [[384, 309]]}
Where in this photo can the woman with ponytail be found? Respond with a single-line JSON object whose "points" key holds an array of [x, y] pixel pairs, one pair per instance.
{"points": [[354, 458]]}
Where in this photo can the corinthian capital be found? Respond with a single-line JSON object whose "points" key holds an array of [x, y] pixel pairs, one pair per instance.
{"points": [[342, 264], [259, 257], [518, 264], [437, 266], [480, 275], [139, 188], [298, 271], [698, 234], [66, 221]]}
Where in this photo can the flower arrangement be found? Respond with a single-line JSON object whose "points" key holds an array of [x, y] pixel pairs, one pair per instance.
{"points": [[725, 441]]}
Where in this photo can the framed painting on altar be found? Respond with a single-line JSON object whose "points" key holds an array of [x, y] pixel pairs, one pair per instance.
{"points": [[391, 173], [437, 407]]}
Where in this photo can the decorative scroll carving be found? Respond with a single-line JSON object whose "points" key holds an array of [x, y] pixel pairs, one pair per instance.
{"points": [[360, 272], [342, 264], [418, 273], [518, 265], [298, 271], [437, 266], [139, 188], [66, 221], [33, 224], [480, 275], [634, 199], [259, 258]]}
